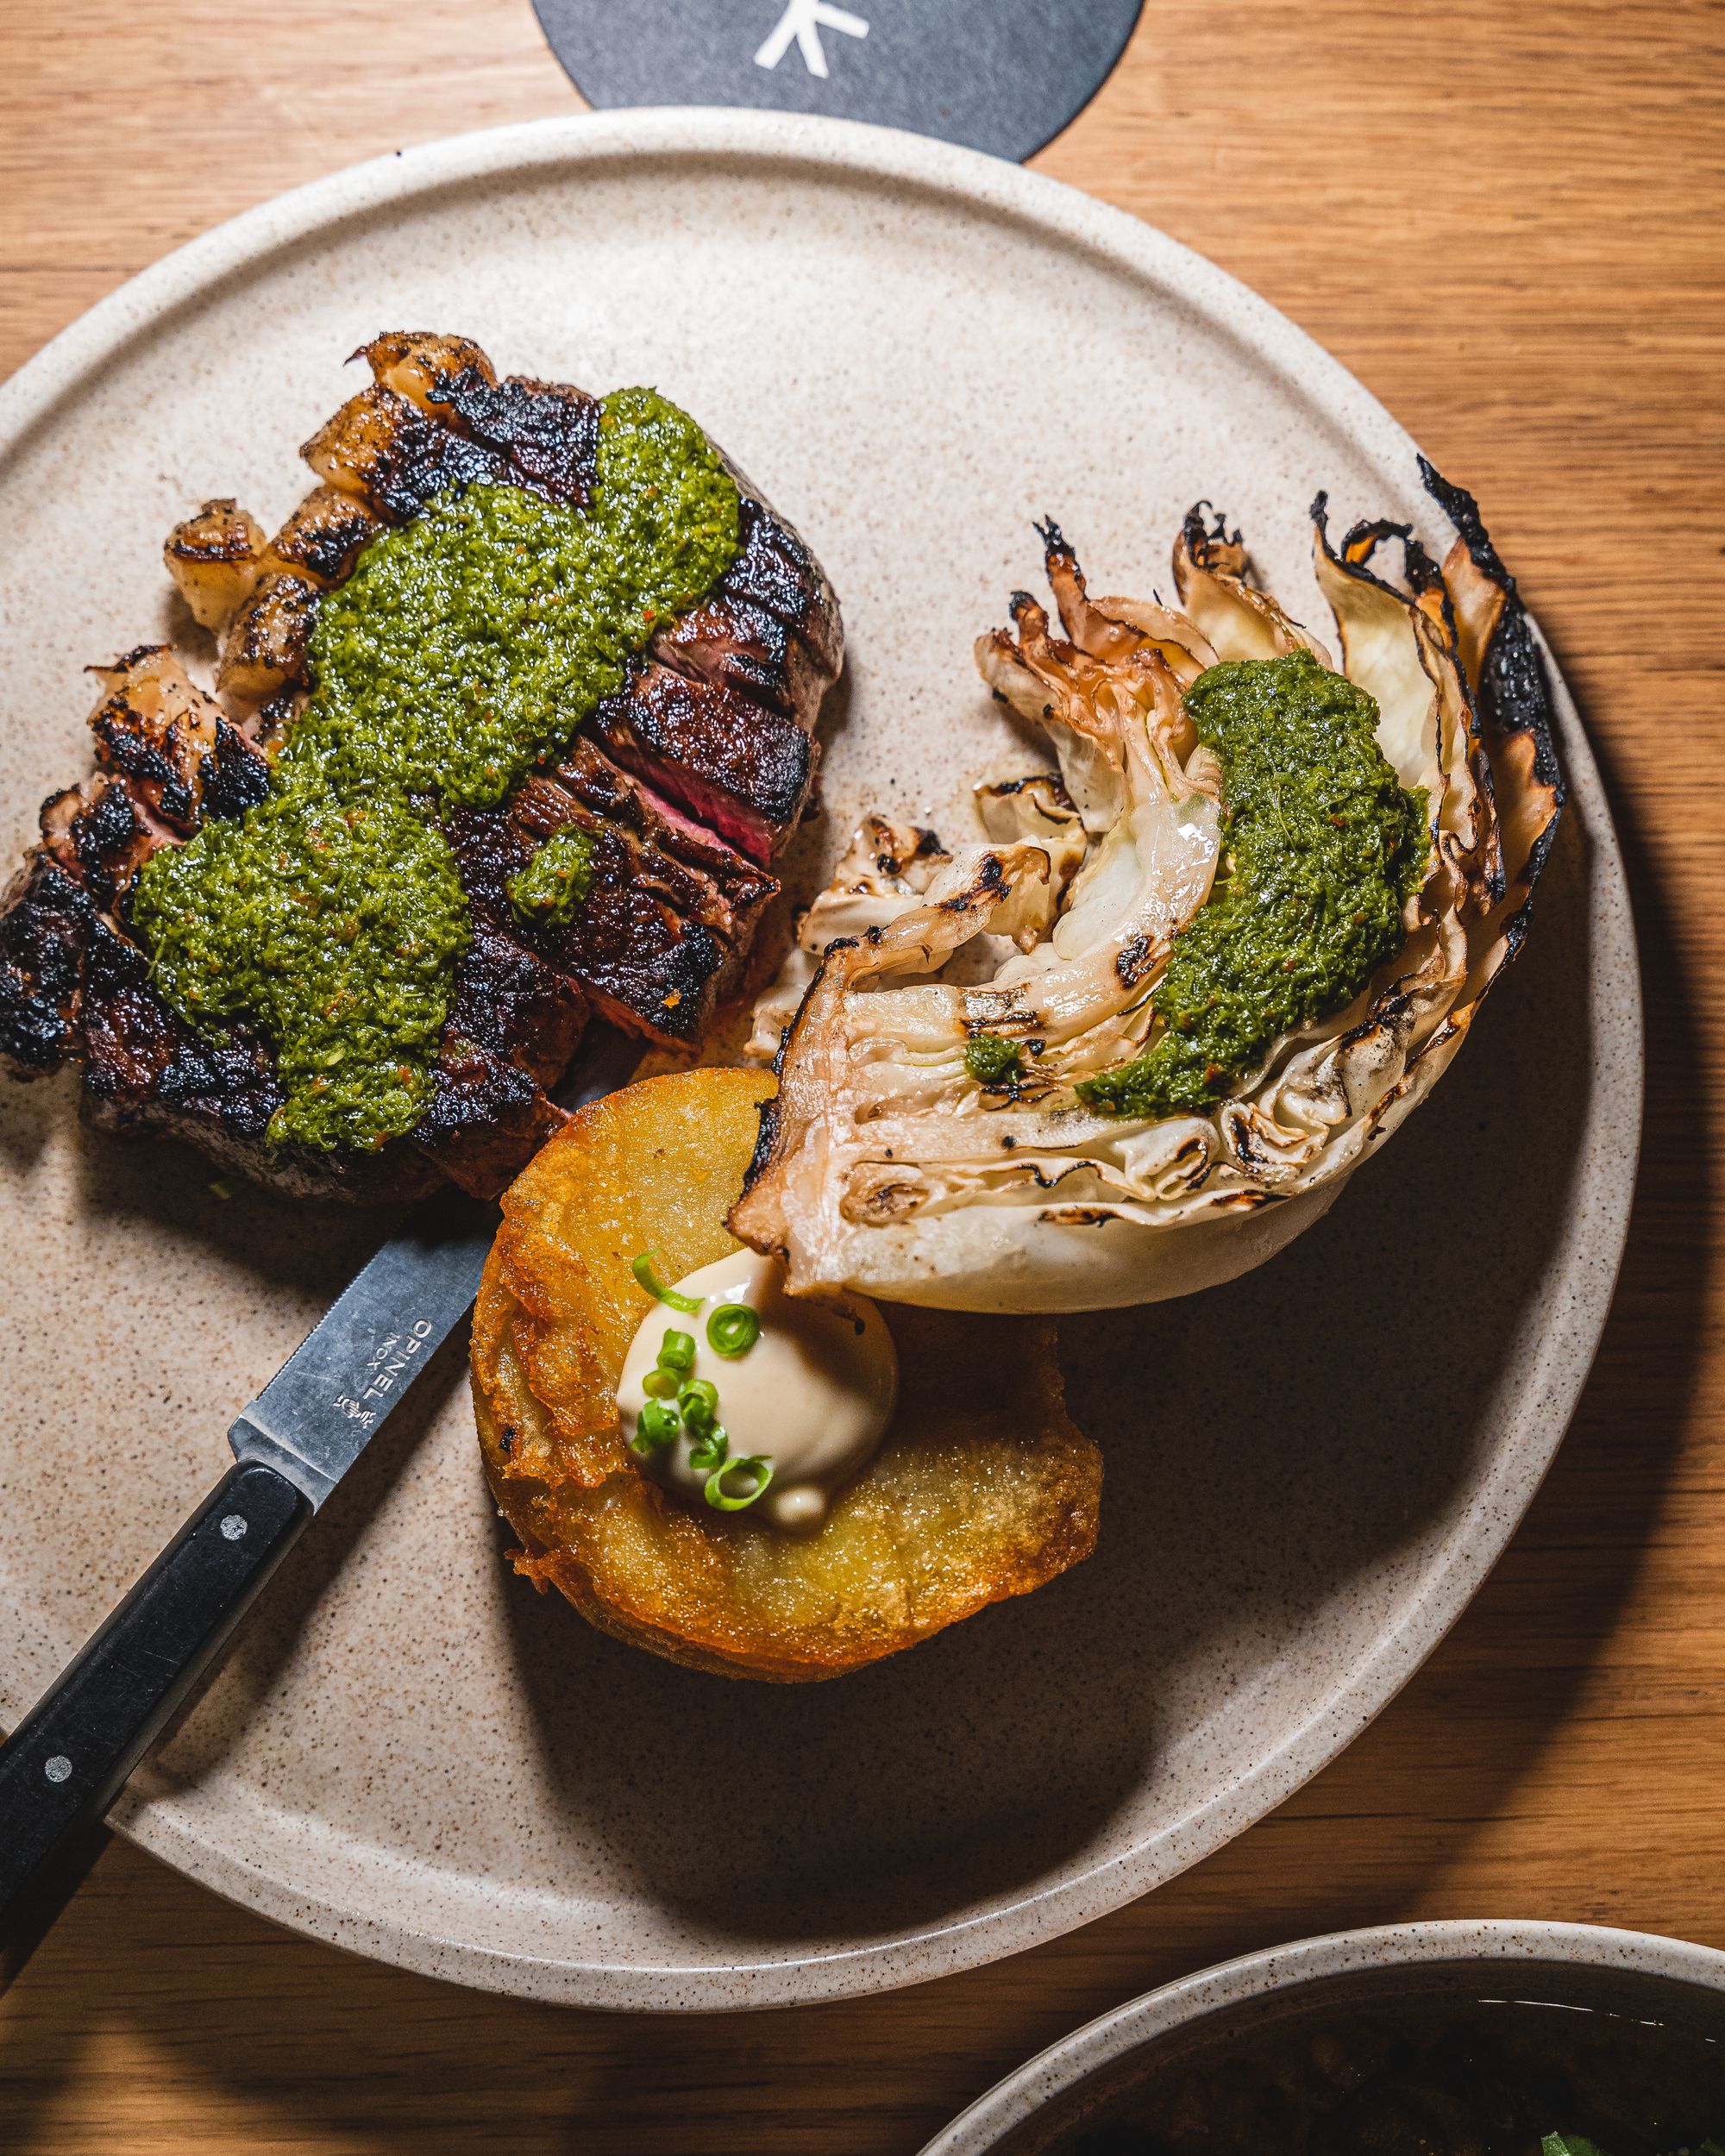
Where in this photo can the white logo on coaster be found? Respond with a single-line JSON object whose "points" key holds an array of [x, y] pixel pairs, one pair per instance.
{"points": [[998, 75], [803, 22]]}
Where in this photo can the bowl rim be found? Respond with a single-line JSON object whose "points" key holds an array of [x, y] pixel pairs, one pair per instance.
{"points": [[1074, 2059]]}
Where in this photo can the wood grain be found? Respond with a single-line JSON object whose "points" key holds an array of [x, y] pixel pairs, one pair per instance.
{"points": [[1506, 220]]}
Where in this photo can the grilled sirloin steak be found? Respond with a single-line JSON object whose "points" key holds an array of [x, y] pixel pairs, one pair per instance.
{"points": [[683, 785]]}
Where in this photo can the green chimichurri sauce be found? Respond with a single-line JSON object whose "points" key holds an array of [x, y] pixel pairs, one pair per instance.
{"points": [[466, 646], [556, 880], [1322, 849], [992, 1059]]}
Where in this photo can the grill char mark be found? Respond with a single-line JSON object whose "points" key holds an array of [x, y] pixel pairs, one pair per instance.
{"points": [[513, 1026], [395, 459], [776, 571], [436, 417], [269, 641], [179, 755], [664, 929], [322, 538], [770, 629], [110, 835], [147, 1074], [45, 925], [758, 656], [547, 433]]}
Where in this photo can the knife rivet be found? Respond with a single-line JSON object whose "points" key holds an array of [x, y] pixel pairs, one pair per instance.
{"points": [[58, 1768], [232, 1526]]}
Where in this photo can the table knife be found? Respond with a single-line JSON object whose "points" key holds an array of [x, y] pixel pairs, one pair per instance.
{"points": [[68, 1760]]}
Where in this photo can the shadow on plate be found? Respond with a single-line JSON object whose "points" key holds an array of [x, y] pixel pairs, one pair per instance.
{"points": [[306, 1246], [1283, 1455], [199, 1746], [1602, 1499]]}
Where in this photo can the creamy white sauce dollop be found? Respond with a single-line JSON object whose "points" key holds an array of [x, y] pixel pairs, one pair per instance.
{"points": [[813, 1394]]}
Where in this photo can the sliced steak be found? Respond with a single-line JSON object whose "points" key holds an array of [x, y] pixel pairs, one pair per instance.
{"points": [[717, 888], [740, 767], [664, 929], [767, 639], [770, 629], [44, 925], [705, 760], [147, 1074], [512, 1030]]}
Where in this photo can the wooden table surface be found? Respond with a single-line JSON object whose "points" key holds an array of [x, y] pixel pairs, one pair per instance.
{"points": [[1505, 219]]}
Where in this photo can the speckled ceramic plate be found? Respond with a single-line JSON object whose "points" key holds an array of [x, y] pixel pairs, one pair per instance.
{"points": [[914, 350]]}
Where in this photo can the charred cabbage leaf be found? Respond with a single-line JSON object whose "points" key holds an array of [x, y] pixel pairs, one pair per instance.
{"points": [[1134, 1042]]}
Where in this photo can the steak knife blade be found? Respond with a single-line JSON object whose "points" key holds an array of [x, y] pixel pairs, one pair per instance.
{"points": [[323, 1406], [319, 1413], [65, 1763]]}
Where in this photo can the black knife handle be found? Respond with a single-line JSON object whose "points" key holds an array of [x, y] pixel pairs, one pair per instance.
{"points": [[68, 1760]]}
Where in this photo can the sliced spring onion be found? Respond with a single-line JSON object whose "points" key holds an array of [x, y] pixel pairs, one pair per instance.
{"points": [[657, 1426], [753, 1463], [732, 1330], [677, 1351], [661, 1384], [697, 1404], [643, 1272], [713, 1451]]}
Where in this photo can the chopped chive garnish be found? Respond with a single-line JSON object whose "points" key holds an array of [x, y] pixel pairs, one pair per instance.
{"points": [[643, 1270], [751, 1463], [678, 1406], [713, 1449], [657, 1426], [732, 1330], [677, 1351], [697, 1404]]}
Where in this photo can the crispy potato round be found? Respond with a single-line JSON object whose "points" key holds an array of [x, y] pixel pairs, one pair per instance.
{"points": [[983, 1489]]}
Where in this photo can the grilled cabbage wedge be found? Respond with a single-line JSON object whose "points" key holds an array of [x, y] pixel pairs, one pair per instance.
{"points": [[983, 1489], [900, 1164]]}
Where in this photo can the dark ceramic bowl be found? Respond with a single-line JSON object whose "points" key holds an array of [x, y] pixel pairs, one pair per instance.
{"points": [[1567, 1989]]}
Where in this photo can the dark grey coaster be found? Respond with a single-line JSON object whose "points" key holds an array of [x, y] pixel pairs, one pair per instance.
{"points": [[1001, 75]]}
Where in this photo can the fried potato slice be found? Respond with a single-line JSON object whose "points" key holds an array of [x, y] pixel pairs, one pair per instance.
{"points": [[983, 1489]]}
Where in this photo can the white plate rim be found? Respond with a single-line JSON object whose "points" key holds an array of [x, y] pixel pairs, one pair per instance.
{"points": [[98, 339]]}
